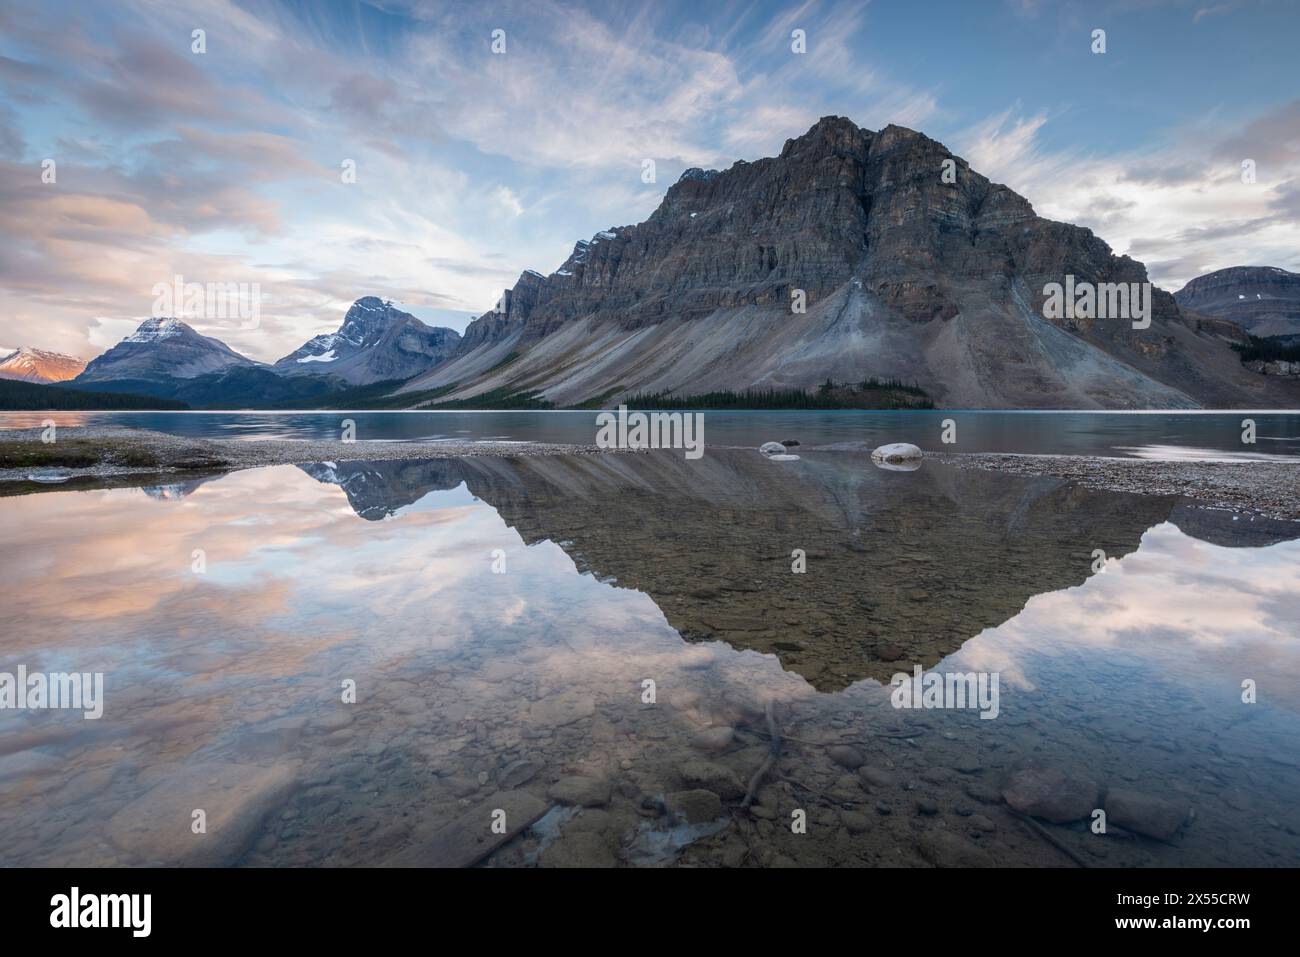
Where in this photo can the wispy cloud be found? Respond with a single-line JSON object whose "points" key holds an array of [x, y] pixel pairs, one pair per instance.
{"points": [[1182, 208]]}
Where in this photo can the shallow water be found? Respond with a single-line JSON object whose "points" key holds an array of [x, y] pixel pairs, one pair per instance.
{"points": [[499, 619], [1167, 435]]}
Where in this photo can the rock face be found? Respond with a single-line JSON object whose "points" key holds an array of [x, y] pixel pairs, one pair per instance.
{"points": [[904, 277], [36, 365], [1262, 300], [162, 349], [376, 343]]}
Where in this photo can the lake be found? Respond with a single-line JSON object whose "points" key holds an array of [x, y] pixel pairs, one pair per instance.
{"points": [[593, 645], [1141, 434]]}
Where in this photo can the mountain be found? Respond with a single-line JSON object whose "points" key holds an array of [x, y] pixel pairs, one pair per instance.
{"points": [[161, 350], [36, 365], [906, 278], [376, 343], [1263, 300]]}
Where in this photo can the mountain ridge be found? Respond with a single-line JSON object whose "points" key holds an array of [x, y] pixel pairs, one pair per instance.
{"points": [[853, 255], [1262, 300], [167, 358]]}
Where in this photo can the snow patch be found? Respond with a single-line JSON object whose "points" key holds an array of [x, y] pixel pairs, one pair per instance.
{"points": [[153, 330]]}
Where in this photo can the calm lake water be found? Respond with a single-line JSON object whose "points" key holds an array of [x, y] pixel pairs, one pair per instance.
{"points": [[1145, 434], [499, 620]]}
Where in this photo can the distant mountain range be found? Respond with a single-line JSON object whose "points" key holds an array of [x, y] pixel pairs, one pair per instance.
{"points": [[36, 365], [168, 359], [853, 255]]}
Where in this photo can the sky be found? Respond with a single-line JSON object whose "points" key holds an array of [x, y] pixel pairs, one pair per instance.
{"points": [[231, 165]]}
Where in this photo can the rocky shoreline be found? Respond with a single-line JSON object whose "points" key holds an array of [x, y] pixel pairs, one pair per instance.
{"points": [[1270, 489], [88, 452]]}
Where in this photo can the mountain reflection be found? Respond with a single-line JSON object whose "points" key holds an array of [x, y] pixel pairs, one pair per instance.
{"points": [[900, 568]]}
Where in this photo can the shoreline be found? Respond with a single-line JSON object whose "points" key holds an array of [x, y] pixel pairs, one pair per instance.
{"points": [[95, 452], [84, 454], [1268, 489]]}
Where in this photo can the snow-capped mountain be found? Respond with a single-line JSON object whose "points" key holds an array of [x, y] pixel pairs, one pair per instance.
{"points": [[162, 349], [36, 365], [377, 342]]}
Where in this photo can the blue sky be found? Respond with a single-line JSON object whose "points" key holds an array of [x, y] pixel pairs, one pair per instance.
{"points": [[224, 166]]}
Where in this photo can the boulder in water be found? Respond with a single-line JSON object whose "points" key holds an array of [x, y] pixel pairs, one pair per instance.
{"points": [[1054, 794], [897, 457], [776, 452]]}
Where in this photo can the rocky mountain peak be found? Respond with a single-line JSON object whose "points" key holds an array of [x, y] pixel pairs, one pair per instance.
{"points": [[38, 365], [850, 254], [830, 134], [375, 342]]}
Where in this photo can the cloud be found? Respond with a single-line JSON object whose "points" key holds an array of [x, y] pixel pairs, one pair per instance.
{"points": [[508, 201], [473, 166], [1181, 208], [1213, 10]]}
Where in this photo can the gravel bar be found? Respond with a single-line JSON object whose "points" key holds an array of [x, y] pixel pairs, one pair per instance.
{"points": [[89, 451], [1271, 489]]}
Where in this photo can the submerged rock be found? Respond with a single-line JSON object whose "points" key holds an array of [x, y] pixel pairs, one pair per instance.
{"points": [[875, 777], [714, 739], [235, 799], [1145, 813], [518, 772], [582, 849], [580, 790], [694, 806], [712, 777], [1052, 794], [846, 756], [471, 837], [942, 848]]}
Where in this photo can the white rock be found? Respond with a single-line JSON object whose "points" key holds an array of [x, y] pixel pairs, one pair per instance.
{"points": [[897, 457], [776, 452]]}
